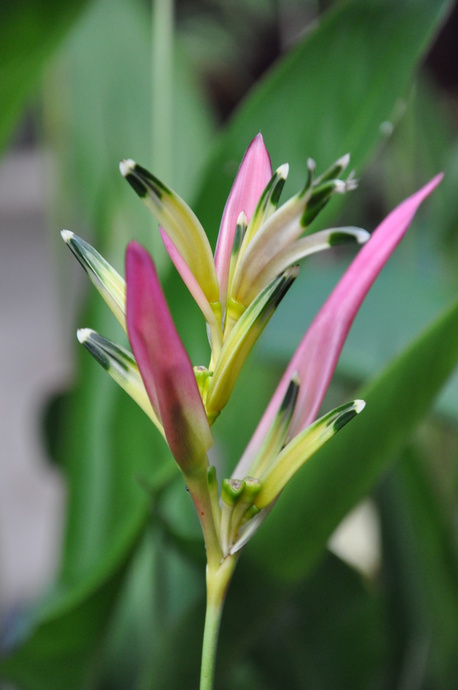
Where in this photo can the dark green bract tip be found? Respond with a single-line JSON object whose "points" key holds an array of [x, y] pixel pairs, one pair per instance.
{"points": [[284, 282], [158, 187], [238, 237], [137, 185], [342, 238], [276, 192], [336, 169], [289, 401], [141, 180], [311, 213], [97, 352], [344, 419], [108, 354], [318, 200]]}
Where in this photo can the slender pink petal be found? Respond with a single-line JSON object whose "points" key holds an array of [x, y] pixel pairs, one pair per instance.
{"points": [[188, 277], [254, 173], [317, 355], [163, 362]]}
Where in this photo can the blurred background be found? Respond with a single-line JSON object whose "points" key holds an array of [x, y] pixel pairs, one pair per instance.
{"points": [[182, 88]]}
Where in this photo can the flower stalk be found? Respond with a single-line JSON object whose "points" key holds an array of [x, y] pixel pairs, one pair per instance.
{"points": [[217, 581]]}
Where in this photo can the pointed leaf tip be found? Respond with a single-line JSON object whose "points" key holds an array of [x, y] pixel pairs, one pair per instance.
{"points": [[347, 415]]}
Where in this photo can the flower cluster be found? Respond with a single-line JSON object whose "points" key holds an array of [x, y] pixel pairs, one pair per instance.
{"points": [[238, 289]]}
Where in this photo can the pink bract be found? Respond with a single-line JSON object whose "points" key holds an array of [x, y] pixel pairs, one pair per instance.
{"points": [[163, 362], [316, 357]]}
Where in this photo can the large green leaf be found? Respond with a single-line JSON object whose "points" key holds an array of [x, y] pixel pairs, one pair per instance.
{"points": [[98, 103], [420, 560], [98, 106], [112, 457], [114, 464], [327, 631], [105, 440], [330, 95], [345, 470], [330, 632], [30, 31], [64, 640]]}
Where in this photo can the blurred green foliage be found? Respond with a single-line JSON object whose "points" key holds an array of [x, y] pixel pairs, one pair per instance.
{"points": [[127, 610]]}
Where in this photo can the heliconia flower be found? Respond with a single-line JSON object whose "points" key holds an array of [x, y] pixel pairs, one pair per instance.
{"points": [[258, 247], [283, 440], [237, 309]]}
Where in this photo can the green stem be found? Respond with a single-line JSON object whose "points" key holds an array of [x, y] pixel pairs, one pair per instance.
{"points": [[217, 584], [219, 570], [197, 484], [162, 91]]}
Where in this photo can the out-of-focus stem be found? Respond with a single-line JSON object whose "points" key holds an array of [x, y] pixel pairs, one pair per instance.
{"points": [[162, 86]]}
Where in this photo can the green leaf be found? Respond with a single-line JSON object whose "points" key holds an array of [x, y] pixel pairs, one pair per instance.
{"points": [[30, 31], [343, 472], [299, 636], [329, 96], [112, 457], [329, 632], [420, 560], [98, 107], [161, 584], [114, 467], [111, 470], [97, 111], [59, 652]]}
